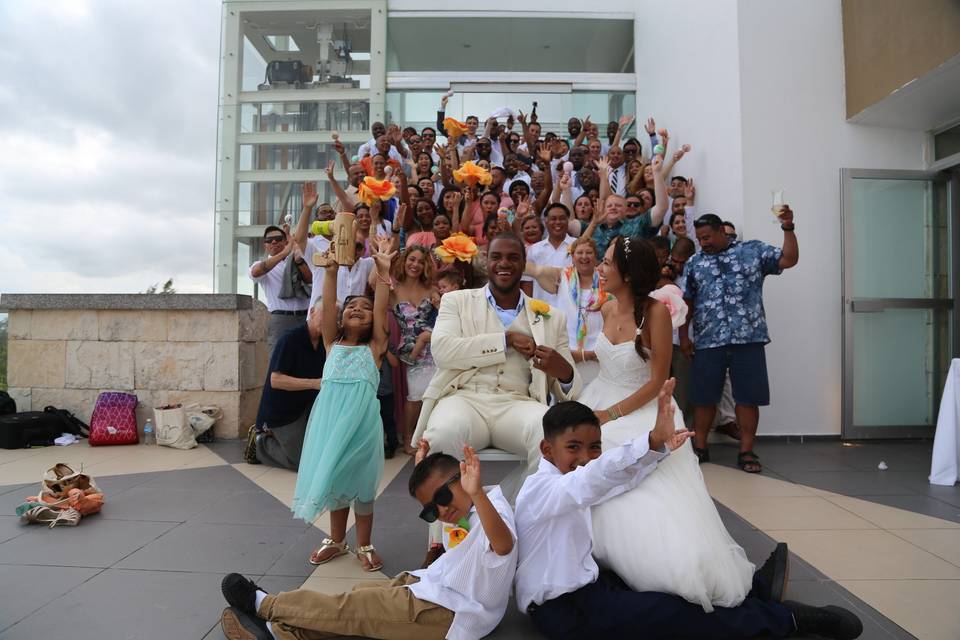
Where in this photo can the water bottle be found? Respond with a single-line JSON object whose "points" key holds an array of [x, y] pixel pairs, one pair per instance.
{"points": [[149, 433]]}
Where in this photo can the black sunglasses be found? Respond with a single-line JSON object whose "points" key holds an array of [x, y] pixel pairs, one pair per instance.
{"points": [[272, 239], [441, 498], [731, 236], [634, 203]]}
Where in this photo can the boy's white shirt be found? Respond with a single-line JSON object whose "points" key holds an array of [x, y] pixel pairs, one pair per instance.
{"points": [[554, 526], [471, 579]]}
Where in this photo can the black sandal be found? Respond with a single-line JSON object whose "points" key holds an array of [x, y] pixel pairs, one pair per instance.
{"points": [[749, 462], [703, 455]]}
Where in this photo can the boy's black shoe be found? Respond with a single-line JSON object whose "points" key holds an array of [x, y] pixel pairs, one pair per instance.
{"points": [[240, 593], [829, 622], [236, 625], [774, 574]]}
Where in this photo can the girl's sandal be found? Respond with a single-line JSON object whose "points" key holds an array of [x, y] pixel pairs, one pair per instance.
{"points": [[329, 549], [367, 557], [749, 461]]}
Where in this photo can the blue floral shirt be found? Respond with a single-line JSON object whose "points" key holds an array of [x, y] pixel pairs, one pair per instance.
{"points": [[627, 227], [727, 293]]}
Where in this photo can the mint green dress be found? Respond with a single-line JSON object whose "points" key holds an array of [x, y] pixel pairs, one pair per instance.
{"points": [[342, 458]]}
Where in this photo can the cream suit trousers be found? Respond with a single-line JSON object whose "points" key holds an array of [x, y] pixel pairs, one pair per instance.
{"points": [[504, 420]]}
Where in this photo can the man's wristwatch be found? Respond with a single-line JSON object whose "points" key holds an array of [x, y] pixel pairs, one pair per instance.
{"points": [[786, 228]]}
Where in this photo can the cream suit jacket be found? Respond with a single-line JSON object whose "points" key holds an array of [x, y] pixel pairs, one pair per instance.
{"points": [[468, 335]]}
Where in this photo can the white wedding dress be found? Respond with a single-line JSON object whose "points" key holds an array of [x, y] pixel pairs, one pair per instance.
{"points": [[665, 534]]}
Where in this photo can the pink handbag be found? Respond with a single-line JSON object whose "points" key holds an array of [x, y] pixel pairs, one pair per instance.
{"points": [[114, 419]]}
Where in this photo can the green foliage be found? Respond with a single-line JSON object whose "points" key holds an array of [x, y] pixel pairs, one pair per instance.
{"points": [[165, 289]]}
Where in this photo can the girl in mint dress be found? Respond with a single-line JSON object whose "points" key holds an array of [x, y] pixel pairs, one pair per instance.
{"points": [[342, 458]]}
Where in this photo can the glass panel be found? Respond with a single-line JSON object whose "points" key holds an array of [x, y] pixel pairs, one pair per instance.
{"points": [[517, 44], [332, 115], [946, 143], [899, 365], [894, 239], [246, 255], [333, 47], [262, 203], [419, 108], [292, 156]]}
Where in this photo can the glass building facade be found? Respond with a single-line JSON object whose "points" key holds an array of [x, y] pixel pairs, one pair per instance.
{"points": [[295, 72]]}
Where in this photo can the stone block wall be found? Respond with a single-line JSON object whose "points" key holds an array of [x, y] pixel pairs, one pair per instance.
{"points": [[166, 349]]}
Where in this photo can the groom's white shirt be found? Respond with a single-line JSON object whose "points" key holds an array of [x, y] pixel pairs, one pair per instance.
{"points": [[554, 528]]}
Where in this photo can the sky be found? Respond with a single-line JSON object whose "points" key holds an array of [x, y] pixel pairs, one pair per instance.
{"points": [[108, 125]]}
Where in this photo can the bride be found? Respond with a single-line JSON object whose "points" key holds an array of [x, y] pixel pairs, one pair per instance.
{"points": [[664, 535]]}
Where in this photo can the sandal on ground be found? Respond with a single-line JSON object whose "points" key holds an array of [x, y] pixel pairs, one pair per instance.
{"points": [[366, 556], [749, 462], [731, 430], [250, 448], [54, 517], [703, 455], [321, 555]]}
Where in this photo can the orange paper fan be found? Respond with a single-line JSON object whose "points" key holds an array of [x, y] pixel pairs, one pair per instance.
{"points": [[458, 246], [454, 127], [472, 174], [371, 189]]}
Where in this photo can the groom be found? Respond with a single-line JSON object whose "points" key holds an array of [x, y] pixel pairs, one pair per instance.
{"points": [[499, 354]]}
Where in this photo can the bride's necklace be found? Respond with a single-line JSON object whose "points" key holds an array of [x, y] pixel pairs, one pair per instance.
{"points": [[622, 322]]}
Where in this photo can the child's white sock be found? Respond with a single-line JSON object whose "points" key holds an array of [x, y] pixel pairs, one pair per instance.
{"points": [[260, 596]]}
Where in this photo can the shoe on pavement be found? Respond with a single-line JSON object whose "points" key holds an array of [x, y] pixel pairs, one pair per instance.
{"points": [[829, 622]]}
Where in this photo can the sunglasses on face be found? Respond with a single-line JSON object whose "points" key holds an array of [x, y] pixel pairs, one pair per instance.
{"points": [[441, 498], [272, 239], [731, 236], [633, 204]]}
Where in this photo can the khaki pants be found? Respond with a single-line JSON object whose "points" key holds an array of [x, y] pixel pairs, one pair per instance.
{"points": [[381, 609]]}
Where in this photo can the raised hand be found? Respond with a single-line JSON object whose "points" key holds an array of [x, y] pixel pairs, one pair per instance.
{"points": [[626, 121], [679, 153], [565, 182], [383, 256], [603, 166], [423, 450], [651, 126], [657, 163], [470, 472], [521, 118], [330, 167], [339, 148], [523, 207], [544, 153], [308, 192], [689, 191], [456, 197], [401, 215]]}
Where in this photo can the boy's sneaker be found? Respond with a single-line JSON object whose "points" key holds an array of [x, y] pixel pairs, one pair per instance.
{"points": [[236, 625], [774, 574], [250, 449], [240, 593], [829, 622]]}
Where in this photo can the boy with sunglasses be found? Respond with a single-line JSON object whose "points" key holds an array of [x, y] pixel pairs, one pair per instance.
{"points": [[461, 596], [559, 583]]}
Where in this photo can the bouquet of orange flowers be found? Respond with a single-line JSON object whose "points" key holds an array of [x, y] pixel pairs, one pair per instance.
{"points": [[371, 189], [454, 127], [458, 246], [472, 174]]}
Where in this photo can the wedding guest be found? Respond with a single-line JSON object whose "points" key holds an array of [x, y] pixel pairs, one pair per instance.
{"points": [[269, 274], [728, 277]]}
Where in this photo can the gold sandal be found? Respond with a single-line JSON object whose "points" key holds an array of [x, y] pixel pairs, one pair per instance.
{"points": [[328, 543], [365, 555]]}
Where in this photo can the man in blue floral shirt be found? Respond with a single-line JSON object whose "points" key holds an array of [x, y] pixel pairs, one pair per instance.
{"points": [[724, 290]]}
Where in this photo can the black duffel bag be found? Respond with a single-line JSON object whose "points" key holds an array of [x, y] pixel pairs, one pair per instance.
{"points": [[38, 428]]}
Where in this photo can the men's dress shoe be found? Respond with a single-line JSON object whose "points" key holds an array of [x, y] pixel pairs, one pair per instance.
{"points": [[774, 574], [237, 625], [829, 622], [240, 593]]}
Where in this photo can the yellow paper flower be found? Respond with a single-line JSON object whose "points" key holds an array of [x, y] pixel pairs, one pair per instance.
{"points": [[458, 246], [457, 535], [371, 189], [454, 127], [472, 174], [539, 308]]}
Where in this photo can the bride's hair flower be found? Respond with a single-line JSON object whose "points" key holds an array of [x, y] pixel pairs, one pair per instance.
{"points": [[371, 189], [458, 246], [672, 298], [472, 174]]}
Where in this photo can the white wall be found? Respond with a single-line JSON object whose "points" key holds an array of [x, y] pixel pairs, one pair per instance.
{"points": [[795, 137], [688, 78]]}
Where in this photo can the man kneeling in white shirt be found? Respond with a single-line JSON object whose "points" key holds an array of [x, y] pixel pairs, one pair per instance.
{"points": [[461, 596], [558, 582]]}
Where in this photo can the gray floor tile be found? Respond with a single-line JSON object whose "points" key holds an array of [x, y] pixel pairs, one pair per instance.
{"points": [[731, 520], [196, 546], [875, 625], [220, 478], [95, 542], [851, 483], [10, 528], [249, 507], [26, 589], [147, 503], [294, 562], [918, 483], [920, 504], [135, 605], [230, 450], [10, 500], [112, 485]]}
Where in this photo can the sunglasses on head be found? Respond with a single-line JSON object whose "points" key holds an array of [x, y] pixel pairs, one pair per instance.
{"points": [[441, 498], [272, 239]]}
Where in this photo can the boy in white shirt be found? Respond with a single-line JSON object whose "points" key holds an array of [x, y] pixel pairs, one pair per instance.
{"points": [[461, 596], [560, 585]]}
